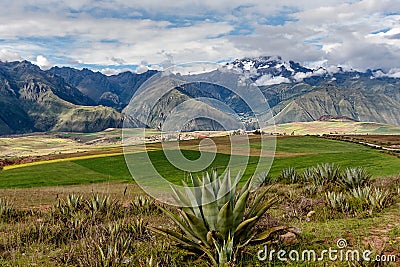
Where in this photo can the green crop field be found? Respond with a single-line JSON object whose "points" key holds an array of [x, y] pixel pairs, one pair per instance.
{"points": [[301, 152]]}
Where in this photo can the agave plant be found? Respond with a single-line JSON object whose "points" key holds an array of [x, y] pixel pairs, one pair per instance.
{"points": [[5, 208], [337, 201], [362, 193], [379, 199], [138, 228], [354, 177], [106, 245], [143, 205], [308, 175], [370, 198], [98, 204], [289, 175], [325, 174], [71, 205], [214, 220]]}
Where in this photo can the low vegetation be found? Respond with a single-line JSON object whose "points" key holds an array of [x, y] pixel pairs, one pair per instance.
{"points": [[214, 221], [302, 213]]}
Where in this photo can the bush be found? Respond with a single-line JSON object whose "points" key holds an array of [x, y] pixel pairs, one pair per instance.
{"points": [[324, 174], [308, 175], [337, 201], [379, 199], [213, 221], [359, 200], [289, 175], [144, 206], [7, 212], [354, 177]]}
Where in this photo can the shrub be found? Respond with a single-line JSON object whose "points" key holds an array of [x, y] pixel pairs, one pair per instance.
{"points": [[325, 174], [143, 205], [213, 218], [337, 201], [379, 199], [312, 190], [101, 207], [71, 205], [8, 213], [369, 199], [6, 209], [361, 193], [308, 175], [138, 229], [354, 177], [289, 175], [360, 199], [105, 246]]}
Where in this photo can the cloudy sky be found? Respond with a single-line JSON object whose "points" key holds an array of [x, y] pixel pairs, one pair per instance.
{"points": [[114, 35]]}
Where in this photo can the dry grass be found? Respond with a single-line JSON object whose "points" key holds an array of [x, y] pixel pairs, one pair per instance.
{"points": [[333, 127], [42, 197]]}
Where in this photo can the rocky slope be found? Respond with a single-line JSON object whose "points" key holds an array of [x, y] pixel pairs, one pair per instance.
{"points": [[67, 99], [33, 100]]}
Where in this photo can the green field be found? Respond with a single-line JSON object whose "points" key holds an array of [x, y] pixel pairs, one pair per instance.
{"points": [[301, 152], [39, 228]]}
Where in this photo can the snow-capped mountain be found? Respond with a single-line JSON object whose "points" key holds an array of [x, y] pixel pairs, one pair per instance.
{"points": [[270, 70]]}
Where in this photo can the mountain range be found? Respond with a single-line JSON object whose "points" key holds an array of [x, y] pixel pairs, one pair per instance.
{"points": [[68, 99]]}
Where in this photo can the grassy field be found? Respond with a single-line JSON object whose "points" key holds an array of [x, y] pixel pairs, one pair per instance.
{"points": [[333, 127], [51, 232], [298, 152], [39, 227]]}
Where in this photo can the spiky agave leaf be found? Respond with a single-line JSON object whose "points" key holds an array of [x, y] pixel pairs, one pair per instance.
{"points": [[240, 207], [225, 251], [177, 237], [354, 177], [244, 226], [197, 226], [209, 207], [267, 233], [225, 220], [194, 200], [256, 203], [182, 224], [224, 192]]}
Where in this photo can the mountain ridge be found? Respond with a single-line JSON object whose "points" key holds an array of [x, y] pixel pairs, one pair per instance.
{"points": [[68, 99]]}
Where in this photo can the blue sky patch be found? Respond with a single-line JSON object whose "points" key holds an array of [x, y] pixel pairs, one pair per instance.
{"points": [[382, 30]]}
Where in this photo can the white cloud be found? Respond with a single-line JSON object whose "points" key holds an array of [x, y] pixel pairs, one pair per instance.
{"points": [[141, 69], [338, 32], [269, 80], [42, 62], [110, 71], [192, 68], [299, 76], [329, 48], [9, 56], [393, 73]]}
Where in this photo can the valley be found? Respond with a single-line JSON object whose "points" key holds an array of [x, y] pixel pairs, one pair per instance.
{"points": [[327, 168]]}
